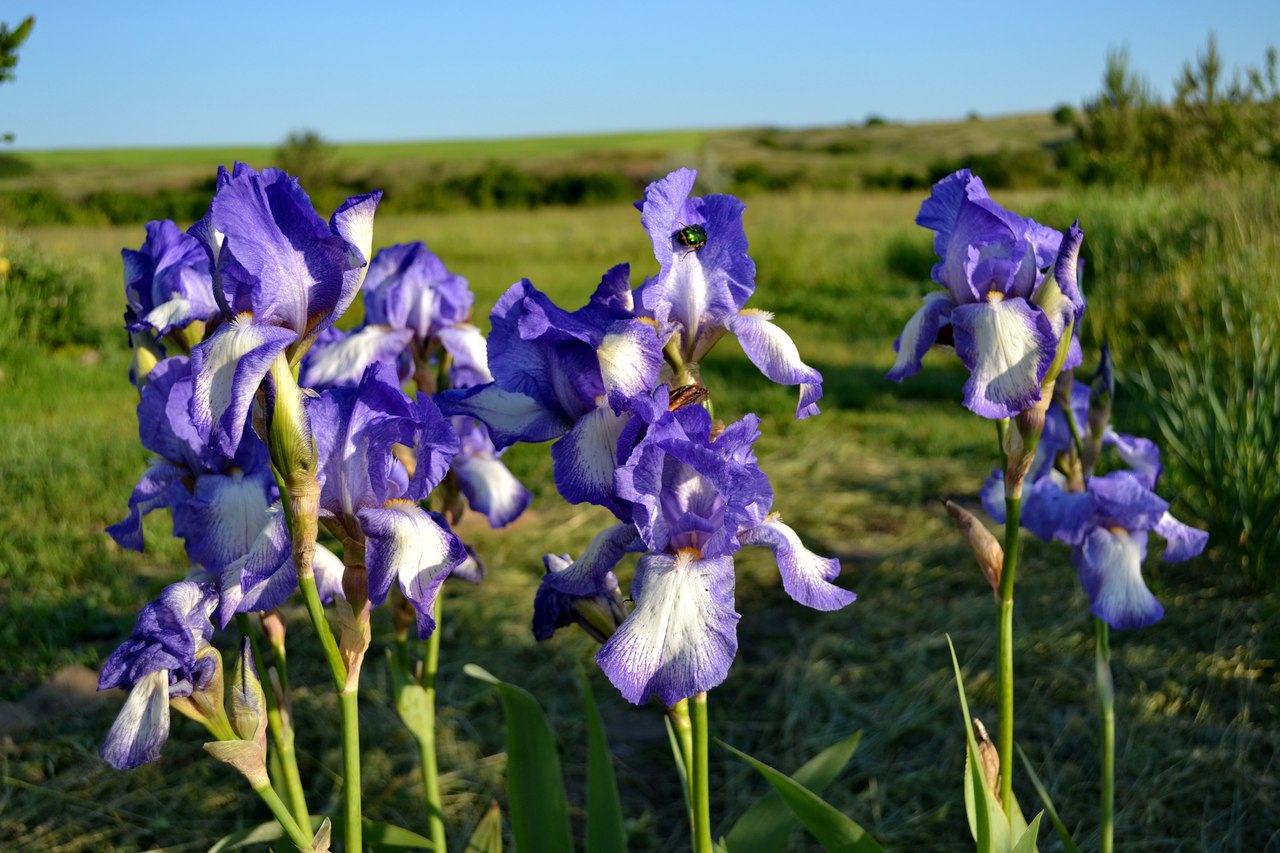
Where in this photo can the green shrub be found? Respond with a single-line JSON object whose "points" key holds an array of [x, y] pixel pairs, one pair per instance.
{"points": [[42, 300], [1215, 402]]}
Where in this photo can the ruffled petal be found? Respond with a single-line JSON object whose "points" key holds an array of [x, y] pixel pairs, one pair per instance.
{"points": [[1140, 454], [919, 335], [491, 489], [1008, 346], [406, 542], [1109, 563], [228, 369], [805, 576], [142, 726], [265, 576], [223, 517], [773, 351], [1051, 512], [682, 636]]}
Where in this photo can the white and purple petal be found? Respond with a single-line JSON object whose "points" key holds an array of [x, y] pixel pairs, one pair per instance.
{"points": [[142, 726], [228, 369], [341, 358], [1142, 455], [585, 575], [1008, 346], [806, 576], [1182, 541], [682, 637], [583, 461], [1109, 563], [630, 359], [773, 351], [920, 334], [490, 488], [223, 517], [408, 544]]}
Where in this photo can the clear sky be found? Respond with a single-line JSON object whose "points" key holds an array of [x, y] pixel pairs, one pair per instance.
{"points": [[170, 72]]}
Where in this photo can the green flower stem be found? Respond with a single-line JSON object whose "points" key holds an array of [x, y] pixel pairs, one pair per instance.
{"points": [[315, 610], [1013, 518], [427, 738], [269, 796], [281, 731], [699, 779], [1106, 702], [679, 714], [351, 769]]}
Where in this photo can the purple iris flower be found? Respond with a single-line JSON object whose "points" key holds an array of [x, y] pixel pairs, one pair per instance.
{"points": [[693, 502], [1005, 322], [705, 277], [284, 275], [488, 485], [413, 307], [167, 282], [599, 613], [219, 502], [161, 659], [572, 374], [367, 494]]}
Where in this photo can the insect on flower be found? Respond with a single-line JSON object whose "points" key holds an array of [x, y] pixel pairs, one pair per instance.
{"points": [[692, 237]]}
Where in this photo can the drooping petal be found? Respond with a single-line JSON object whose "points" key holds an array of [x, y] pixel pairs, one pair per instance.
{"points": [[470, 352], [407, 543], [435, 444], [1008, 346], [353, 221], [583, 461], [773, 351], [343, 361], [160, 486], [919, 335], [265, 576], [1182, 541], [1109, 563], [490, 488], [510, 416], [228, 369], [805, 576], [142, 726], [682, 636]]}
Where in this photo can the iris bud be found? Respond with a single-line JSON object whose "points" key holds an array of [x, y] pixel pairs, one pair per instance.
{"points": [[248, 701]]}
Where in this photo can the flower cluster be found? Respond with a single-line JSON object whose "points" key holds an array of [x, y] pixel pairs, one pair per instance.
{"points": [[617, 383]]}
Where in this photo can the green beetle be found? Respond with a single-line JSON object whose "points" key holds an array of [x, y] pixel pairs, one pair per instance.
{"points": [[692, 237]]}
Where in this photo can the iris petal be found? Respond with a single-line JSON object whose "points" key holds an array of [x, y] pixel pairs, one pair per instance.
{"points": [[805, 576], [1109, 563], [1008, 346], [773, 351]]}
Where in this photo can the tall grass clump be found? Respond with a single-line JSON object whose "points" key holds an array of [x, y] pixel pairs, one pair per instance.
{"points": [[1216, 404]]}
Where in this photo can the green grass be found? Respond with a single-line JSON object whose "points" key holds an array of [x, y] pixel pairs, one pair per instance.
{"points": [[1198, 704]]}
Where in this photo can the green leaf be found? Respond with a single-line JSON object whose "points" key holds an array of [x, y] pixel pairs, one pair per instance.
{"points": [[411, 699], [987, 822], [535, 788], [605, 829], [1068, 843], [764, 827], [1027, 843], [376, 835], [678, 754], [488, 835], [834, 831]]}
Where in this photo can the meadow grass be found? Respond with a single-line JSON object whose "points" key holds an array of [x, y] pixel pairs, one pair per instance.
{"points": [[1198, 705]]}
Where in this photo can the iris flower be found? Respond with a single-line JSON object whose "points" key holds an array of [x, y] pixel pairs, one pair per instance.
{"points": [[999, 309], [705, 277], [367, 494], [162, 659], [693, 501], [565, 375], [167, 282], [283, 276]]}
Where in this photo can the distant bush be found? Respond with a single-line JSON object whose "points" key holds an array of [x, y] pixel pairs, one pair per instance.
{"points": [[308, 157], [1065, 115], [910, 254], [875, 121], [42, 299], [757, 177], [13, 166]]}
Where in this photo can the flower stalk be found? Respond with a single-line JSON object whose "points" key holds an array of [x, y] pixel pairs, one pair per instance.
{"points": [[1013, 513], [699, 784], [1106, 704]]}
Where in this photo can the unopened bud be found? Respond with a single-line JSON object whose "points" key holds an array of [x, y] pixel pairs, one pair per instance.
{"points": [[1102, 391], [988, 758], [986, 548], [248, 702], [288, 427], [205, 706], [600, 615], [1021, 441], [146, 355], [273, 629]]}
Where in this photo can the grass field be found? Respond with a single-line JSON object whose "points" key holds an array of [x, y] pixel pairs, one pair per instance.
{"points": [[1198, 703]]}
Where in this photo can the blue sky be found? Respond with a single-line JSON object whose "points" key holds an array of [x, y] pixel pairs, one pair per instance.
{"points": [[99, 74]]}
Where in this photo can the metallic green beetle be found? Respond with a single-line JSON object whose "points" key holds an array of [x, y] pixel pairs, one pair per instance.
{"points": [[692, 237]]}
